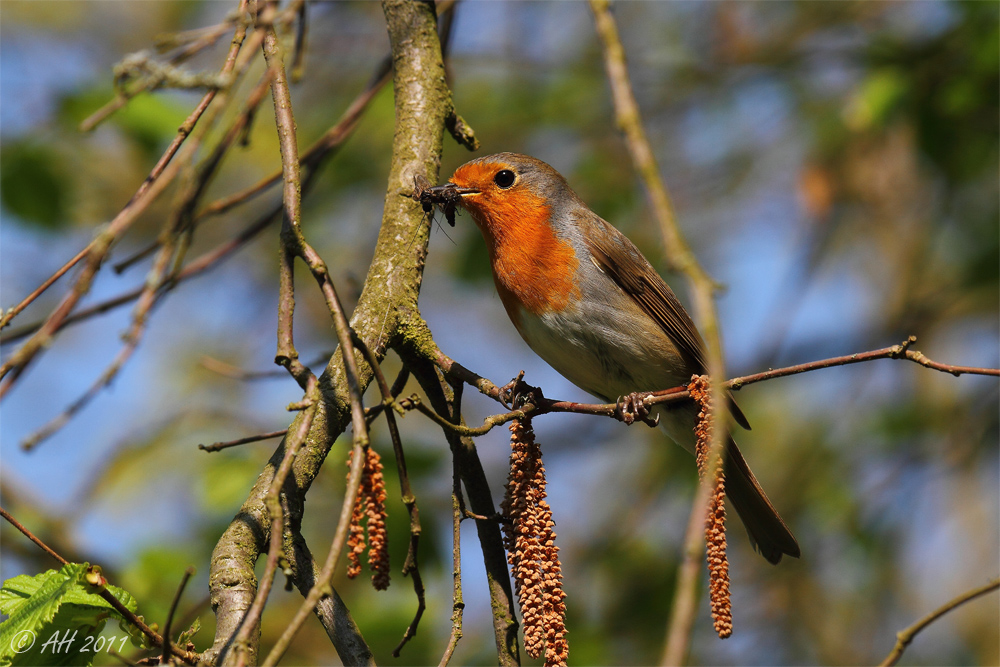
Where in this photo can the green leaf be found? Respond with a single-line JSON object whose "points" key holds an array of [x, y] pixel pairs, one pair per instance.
{"points": [[52, 615], [186, 636]]}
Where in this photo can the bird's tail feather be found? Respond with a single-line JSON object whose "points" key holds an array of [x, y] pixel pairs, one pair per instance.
{"points": [[769, 534]]}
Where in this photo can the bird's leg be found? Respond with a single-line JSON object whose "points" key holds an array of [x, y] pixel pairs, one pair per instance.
{"points": [[518, 393], [633, 406]]}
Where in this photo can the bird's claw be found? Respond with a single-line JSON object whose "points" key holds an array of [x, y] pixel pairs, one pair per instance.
{"points": [[518, 393], [633, 406]]}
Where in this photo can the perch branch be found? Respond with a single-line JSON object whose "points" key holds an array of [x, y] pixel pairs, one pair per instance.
{"points": [[674, 394]]}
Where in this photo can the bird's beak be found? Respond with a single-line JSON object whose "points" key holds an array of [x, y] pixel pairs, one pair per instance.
{"points": [[443, 191]]}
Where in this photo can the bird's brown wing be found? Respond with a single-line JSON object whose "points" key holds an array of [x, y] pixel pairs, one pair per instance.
{"points": [[621, 261]]}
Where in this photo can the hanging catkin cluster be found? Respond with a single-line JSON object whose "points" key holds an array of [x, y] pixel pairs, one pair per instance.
{"points": [[715, 520], [370, 503], [531, 549]]}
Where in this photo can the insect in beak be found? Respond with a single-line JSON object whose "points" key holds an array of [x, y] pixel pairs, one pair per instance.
{"points": [[450, 190], [447, 196]]}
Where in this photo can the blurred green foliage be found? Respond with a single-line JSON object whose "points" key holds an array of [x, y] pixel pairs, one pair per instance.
{"points": [[33, 185]]}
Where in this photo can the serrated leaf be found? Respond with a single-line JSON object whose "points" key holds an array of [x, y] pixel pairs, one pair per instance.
{"points": [[52, 614]]}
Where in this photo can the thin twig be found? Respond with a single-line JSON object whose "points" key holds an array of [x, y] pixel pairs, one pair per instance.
{"points": [[411, 564], [900, 351], [199, 38], [457, 600], [27, 533], [218, 446], [165, 170], [167, 626], [457, 370], [414, 403], [905, 637], [156, 639], [294, 244], [11, 313], [153, 292], [237, 373], [679, 254], [372, 413]]}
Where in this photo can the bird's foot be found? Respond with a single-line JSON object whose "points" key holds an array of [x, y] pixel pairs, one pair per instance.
{"points": [[518, 393], [633, 406]]}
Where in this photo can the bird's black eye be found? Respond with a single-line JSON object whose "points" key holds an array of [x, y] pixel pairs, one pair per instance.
{"points": [[504, 178]]}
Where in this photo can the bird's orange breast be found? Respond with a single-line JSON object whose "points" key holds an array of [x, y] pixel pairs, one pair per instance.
{"points": [[533, 268]]}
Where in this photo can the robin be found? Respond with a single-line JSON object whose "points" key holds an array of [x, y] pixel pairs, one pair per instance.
{"points": [[586, 301]]}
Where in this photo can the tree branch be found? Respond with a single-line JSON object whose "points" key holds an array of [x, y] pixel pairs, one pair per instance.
{"points": [[904, 637], [331, 610], [457, 599], [388, 301], [673, 394], [680, 255], [176, 226], [162, 174], [182, 134], [505, 625]]}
